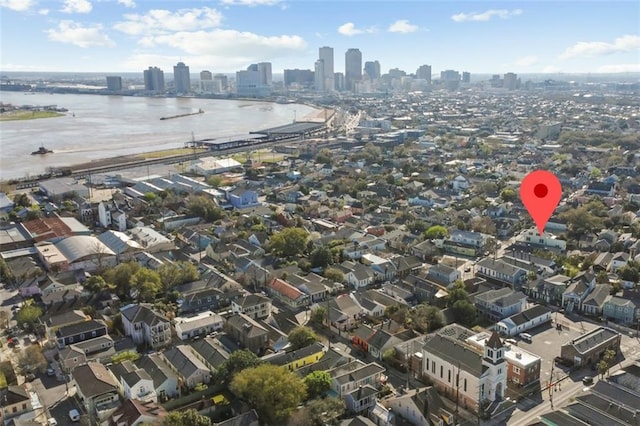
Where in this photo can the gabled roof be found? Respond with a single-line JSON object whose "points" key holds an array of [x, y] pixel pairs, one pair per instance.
{"points": [[132, 409], [142, 313], [183, 360], [157, 368], [285, 289], [93, 379]]}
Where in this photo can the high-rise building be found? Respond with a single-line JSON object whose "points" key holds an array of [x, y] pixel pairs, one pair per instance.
{"points": [[510, 81], [206, 82], [372, 69], [338, 77], [255, 81], [326, 55], [154, 79], [424, 73], [181, 78], [466, 77], [221, 82], [114, 83], [352, 68], [304, 78], [450, 79], [264, 68], [319, 80]]}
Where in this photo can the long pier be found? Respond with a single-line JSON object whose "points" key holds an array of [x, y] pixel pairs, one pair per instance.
{"points": [[200, 111]]}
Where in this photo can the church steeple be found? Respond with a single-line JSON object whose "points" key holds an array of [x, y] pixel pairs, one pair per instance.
{"points": [[494, 349]]}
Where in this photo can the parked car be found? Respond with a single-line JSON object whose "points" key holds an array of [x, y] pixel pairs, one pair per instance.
{"points": [[587, 381], [30, 377], [52, 421], [74, 415], [51, 371], [32, 338], [526, 337]]}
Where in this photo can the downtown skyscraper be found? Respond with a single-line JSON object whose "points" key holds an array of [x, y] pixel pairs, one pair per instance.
{"points": [[325, 54], [154, 79], [352, 68], [181, 78]]}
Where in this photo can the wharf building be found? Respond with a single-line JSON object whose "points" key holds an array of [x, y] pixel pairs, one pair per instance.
{"points": [[181, 78], [114, 83], [154, 79]]}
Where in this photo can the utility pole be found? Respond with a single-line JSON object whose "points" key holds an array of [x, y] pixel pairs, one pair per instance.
{"points": [[551, 386]]}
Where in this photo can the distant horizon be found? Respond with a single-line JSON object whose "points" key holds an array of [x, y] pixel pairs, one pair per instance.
{"points": [[226, 36]]}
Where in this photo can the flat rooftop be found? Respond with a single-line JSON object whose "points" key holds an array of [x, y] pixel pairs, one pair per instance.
{"points": [[292, 129]]}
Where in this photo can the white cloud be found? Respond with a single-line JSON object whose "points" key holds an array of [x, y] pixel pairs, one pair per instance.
{"points": [[250, 2], [619, 68], [349, 29], [229, 43], [81, 36], [76, 6], [127, 3], [626, 43], [402, 26], [17, 5], [527, 61], [551, 69], [43, 12], [486, 15], [159, 21]]}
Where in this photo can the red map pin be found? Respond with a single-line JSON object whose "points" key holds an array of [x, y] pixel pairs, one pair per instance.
{"points": [[540, 192]]}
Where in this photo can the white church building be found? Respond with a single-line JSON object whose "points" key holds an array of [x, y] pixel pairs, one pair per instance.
{"points": [[460, 372]]}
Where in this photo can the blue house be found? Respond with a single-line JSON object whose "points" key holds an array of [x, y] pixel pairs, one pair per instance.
{"points": [[242, 198]]}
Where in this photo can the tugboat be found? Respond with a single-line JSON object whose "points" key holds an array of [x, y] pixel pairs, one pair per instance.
{"points": [[41, 151]]}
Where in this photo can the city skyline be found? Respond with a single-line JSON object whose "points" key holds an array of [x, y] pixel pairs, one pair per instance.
{"points": [[228, 35]]}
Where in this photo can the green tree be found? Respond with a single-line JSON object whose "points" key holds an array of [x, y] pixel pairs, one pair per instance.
{"points": [[273, 391], [327, 411], [32, 359], [188, 417], [174, 274], [319, 315], [458, 292], [324, 156], [120, 276], [372, 153], [146, 283], [334, 274], [237, 361], [318, 384], [205, 208], [130, 355], [215, 181], [426, 318], [22, 200], [28, 315], [464, 312], [436, 231], [289, 242], [508, 195], [96, 284], [301, 337], [417, 227], [321, 257]]}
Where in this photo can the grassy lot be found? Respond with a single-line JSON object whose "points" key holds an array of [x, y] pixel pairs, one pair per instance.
{"points": [[171, 152], [28, 115], [260, 156]]}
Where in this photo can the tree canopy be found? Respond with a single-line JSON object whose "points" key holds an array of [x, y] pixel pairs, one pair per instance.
{"points": [[273, 391], [301, 337], [237, 362], [205, 208], [289, 242], [174, 274], [436, 231], [28, 315], [188, 417], [318, 383]]}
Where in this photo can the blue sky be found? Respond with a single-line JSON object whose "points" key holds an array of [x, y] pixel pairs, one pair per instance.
{"points": [[227, 35]]}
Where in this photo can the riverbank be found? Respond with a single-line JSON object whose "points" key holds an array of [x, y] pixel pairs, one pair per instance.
{"points": [[17, 115]]}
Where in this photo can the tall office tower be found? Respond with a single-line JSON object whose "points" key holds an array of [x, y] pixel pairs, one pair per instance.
{"points": [[114, 83], [154, 79], [466, 77], [397, 73], [319, 80], [304, 78], [372, 69], [181, 78], [338, 77], [325, 54], [424, 73], [450, 79], [264, 68], [207, 84], [510, 81], [496, 81], [352, 68], [221, 81]]}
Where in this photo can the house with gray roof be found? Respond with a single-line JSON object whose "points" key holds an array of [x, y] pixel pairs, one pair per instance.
{"points": [[186, 365], [620, 310], [501, 272], [133, 381], [145, 325], [525, 320], [349, 377], [498, 304], [165, 380], [96, 389]]}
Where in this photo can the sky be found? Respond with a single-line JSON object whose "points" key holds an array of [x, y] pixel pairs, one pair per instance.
{"points": [[224, 36]]}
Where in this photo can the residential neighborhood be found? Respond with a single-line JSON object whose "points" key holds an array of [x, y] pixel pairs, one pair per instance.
{"points": [[388, 275]]}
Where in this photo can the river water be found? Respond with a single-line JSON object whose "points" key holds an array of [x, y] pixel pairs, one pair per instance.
{"points": [[99, 126]]}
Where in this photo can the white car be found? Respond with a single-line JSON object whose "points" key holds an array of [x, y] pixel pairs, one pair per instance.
{"points": [[74, 415], [52, 422]]}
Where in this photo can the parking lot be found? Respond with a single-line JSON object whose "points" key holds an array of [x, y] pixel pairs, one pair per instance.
{"points": [[547, 340]]}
